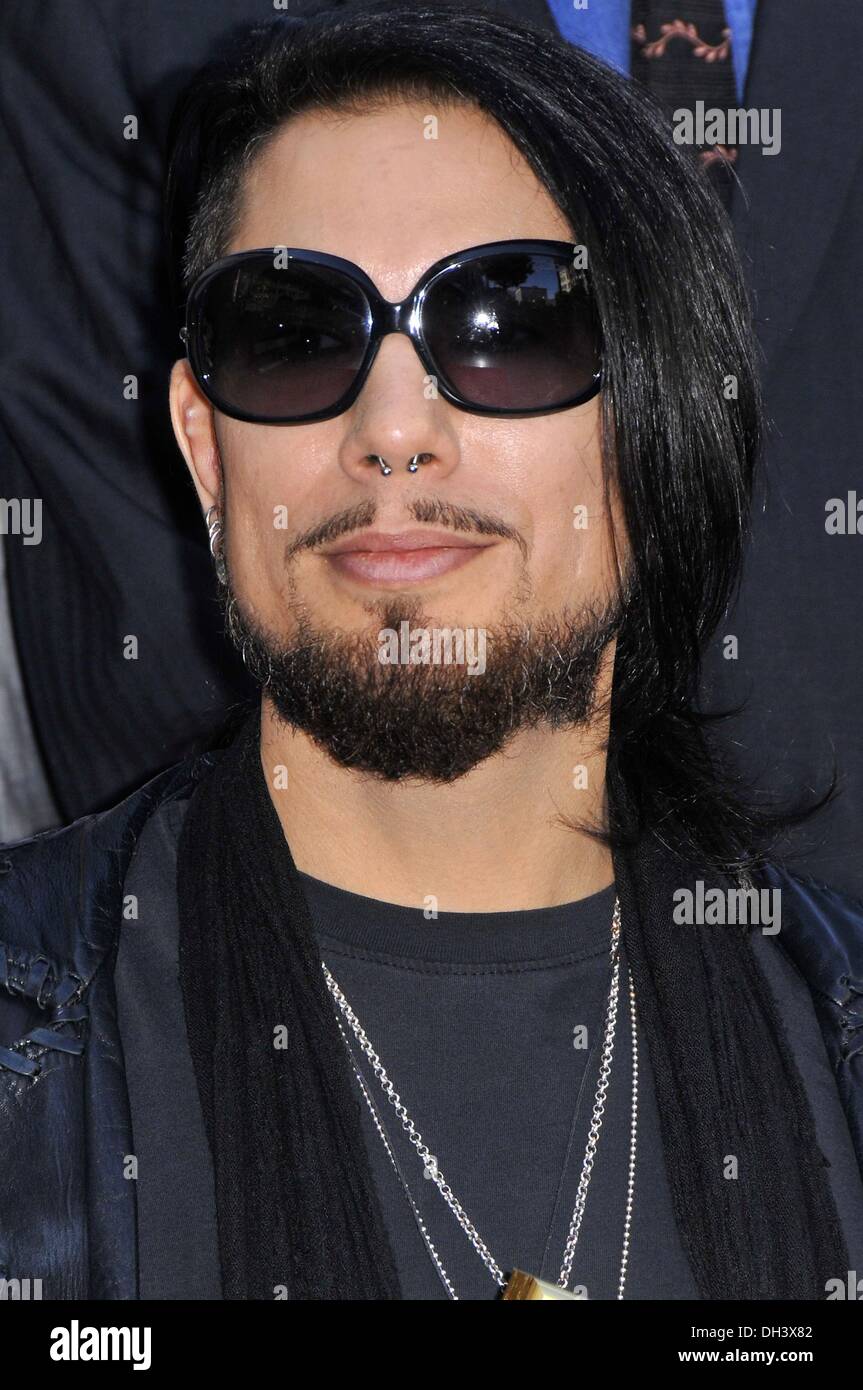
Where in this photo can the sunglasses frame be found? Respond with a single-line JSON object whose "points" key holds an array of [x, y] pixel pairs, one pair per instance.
{"points": [[384, 317]]}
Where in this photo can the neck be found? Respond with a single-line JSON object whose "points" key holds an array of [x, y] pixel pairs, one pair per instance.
{"points": [[493, 841]]}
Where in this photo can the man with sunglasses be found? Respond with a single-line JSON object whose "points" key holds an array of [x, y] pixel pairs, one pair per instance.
{"points": [[441, 979]]}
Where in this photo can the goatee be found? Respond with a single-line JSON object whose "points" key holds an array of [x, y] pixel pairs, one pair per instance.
{"points": [[430, 721]]}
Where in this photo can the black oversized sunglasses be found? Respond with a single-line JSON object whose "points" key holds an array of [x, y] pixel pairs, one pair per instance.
{"points": [[282, 336]]}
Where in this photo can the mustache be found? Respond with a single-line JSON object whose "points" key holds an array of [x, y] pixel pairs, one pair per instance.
{"points": [[426, 510]]}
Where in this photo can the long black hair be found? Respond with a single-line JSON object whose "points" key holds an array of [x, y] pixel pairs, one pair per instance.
{"points": [[680, 409]]}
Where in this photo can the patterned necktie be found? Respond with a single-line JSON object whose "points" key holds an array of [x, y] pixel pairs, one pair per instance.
{"points": [[682, 53]]}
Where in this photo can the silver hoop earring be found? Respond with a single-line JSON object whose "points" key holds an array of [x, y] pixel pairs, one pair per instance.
{"points": [[214, 531]]}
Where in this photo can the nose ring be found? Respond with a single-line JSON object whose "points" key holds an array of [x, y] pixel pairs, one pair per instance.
{"points": [[412, 466]]}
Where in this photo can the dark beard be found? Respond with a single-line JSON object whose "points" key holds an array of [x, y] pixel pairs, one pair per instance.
{"points": [[432, 722]]}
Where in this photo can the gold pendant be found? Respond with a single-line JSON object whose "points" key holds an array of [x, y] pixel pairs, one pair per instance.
{"points": [[521, 1285]]}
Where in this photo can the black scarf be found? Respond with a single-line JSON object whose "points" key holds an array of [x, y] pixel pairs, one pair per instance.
{"points": [[298, 1214]]}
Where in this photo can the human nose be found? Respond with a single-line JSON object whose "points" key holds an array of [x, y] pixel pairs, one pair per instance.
{"points": [[399, 421]]}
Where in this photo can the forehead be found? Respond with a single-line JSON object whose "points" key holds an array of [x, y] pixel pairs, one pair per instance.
{"points": [[393, 190]]}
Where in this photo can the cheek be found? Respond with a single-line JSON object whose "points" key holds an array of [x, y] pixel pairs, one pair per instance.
{"points": [[573, 556], [573, 561], [266, 500]]}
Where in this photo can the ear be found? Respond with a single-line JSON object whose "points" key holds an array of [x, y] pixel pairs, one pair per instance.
{"points": [[195, 433]]}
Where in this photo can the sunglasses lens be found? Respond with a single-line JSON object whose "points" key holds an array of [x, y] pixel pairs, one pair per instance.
{"points": [[280, 343], [514, 331]]}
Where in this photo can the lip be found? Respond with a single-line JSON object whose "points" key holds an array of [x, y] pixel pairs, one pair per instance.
{"points": [[382, 559], [402, 540]]}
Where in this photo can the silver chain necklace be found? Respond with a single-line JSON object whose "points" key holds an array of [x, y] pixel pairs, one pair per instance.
{"points": [[518, 1281]]}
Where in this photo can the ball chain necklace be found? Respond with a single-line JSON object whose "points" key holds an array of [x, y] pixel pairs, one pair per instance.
{"points": [[519, 1285]]}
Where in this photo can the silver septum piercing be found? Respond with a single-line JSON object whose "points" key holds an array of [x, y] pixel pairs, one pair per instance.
{"points": [[412, 466]]}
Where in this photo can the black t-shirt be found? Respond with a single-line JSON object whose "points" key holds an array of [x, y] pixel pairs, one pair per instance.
{"points": [[489, 1026]]}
